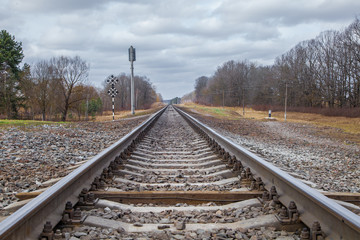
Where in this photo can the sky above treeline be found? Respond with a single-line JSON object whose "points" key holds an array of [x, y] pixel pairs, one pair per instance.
{"points": [[176, 41]]}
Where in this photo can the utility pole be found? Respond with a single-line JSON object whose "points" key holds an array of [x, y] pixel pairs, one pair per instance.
{"points": [[285, 99], [132, 58]]}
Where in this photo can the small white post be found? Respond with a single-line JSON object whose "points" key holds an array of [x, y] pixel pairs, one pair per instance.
{"points": [[113, 107]]}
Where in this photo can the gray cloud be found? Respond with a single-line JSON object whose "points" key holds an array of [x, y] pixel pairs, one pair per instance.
{"points": [[52, 6], [287, 12], [176, 41]]}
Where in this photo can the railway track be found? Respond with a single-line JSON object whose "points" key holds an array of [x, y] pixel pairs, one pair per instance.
{"points": [[174, 178]]}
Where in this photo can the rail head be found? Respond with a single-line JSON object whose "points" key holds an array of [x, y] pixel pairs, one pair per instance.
{"points": [[336, 221], [28, 221]]}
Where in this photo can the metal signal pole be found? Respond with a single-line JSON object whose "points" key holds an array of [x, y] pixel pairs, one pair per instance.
{"points": [[132, 58]]}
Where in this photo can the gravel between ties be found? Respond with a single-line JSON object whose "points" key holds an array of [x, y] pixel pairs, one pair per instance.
{"points": [[35, 154]]}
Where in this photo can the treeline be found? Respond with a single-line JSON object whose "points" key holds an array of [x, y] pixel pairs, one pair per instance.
{"points": [[145, 93], [323, 72], [58, 88]]}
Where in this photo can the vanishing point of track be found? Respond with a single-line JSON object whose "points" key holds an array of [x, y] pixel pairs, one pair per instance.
{"points": [[166, 166]]}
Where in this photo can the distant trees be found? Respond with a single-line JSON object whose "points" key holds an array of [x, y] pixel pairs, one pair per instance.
{"points": [[324, 71], [159, 97], [228, 86], [57, 88], [85, 101], [175, 100], [145, 93], [321, 72], [94, 106], [190, 97], [200, 89]]}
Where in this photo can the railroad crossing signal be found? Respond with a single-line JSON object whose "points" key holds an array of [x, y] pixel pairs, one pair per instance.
{"points": [[113, 92], [112, 80]]}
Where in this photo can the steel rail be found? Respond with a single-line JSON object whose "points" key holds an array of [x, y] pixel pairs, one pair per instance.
{"points": [[28, 221], [336, 221]]}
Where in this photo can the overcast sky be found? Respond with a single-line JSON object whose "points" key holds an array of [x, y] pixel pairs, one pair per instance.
{"points": [[176, 41]]}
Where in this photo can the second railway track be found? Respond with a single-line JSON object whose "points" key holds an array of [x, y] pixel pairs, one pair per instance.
{"points": [[174, 178]]}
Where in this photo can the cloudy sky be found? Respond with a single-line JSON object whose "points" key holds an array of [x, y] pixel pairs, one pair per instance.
{"points": [[176, 41]]}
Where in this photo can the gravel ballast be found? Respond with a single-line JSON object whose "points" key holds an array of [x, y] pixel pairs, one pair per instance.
{"points": [[32, 155], [305, 151]]}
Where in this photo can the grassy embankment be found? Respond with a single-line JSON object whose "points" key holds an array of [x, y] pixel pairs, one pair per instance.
{"points": [[107, 116], [24, 123], [347, 125]]}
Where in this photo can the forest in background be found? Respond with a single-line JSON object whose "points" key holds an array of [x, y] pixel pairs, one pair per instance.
{"points": [[58, 88], [318, 75]]}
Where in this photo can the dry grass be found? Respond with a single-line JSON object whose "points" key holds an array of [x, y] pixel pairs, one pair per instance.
{"points": [[348, 125], [107, 115], [217, 112]]}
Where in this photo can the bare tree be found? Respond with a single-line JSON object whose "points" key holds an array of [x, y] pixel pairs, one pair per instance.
{"points": [[351, 43], [69, 72], [200, 87], [42, 75]]}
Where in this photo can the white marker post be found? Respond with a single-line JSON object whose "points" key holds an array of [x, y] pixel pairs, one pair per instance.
{"points": [[113, 107]]}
